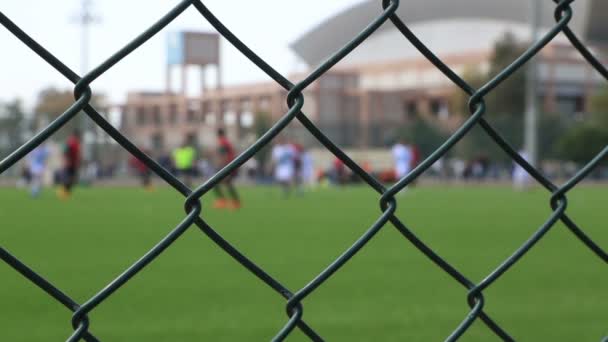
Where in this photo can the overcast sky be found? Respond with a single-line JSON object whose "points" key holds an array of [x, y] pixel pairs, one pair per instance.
{"points": [[268, 26]]}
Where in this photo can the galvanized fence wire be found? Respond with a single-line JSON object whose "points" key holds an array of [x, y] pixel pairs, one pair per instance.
{"points": [[295, 100]]}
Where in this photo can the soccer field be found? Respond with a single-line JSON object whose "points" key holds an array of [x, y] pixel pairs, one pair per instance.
{"points": [[388, 292]]}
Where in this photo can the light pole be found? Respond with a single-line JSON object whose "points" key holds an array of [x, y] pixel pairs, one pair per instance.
{"points": [[531, 116], [85, 18]]}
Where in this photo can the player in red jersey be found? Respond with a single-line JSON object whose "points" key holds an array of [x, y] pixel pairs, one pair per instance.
{"points": [[225, 154], [142, 171], [72, 161]]}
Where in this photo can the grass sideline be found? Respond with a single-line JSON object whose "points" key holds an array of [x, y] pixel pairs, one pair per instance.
{"points": [[388, 292]]}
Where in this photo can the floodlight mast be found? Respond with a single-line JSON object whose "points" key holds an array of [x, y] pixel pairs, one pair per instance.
{"points": [[85, 18], [531, 115]]}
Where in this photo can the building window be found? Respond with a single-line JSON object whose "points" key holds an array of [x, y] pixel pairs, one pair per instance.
{"points": [[225, 106], [205, 109], [230, 118], [192, 112], [411, 110], [173, 113], [210, 118], [245, 104], [265, 103], [247, 119], [191, 115], [156, 115], [435, 106], [439, 109], [570, 105], [192, 139], [140, 118]]}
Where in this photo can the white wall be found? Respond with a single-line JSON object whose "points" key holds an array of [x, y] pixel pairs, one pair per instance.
{"points": [[444, 37]]}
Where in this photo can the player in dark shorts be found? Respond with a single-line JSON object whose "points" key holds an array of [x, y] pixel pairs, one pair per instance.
{"points": [[225, 154], [71, 159]]}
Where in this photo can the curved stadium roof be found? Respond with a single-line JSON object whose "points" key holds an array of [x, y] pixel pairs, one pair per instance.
{"points": [[589, 20]]}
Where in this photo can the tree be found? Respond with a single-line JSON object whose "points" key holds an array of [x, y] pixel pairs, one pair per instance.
{"points": [[424, 134], [53, 102], [12, 125], [509, 97], [459, 101], [504, 106], [583, 142], [598, 107]]}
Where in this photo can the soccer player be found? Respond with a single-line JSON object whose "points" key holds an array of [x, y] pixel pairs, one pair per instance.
{"points": [[142, 170], [183, 160], [283, 160], [308, 169], [298, 177], [72, 161], [521, 177], [339, 172], [225, 154], [37, 165], [414, 160], [402, 155]]}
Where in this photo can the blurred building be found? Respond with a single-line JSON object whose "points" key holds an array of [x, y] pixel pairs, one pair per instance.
{"points": [[382, 85]]}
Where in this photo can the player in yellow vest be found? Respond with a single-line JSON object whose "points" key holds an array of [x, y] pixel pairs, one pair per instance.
{"points": [[184, 158]]}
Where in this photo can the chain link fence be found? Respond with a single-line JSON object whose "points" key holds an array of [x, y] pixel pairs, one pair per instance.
{"points": [[295, 100]]}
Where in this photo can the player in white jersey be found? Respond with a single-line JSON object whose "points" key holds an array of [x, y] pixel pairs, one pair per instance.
{"points": [[402, 155], [308, 169], [37, 164], [283, 155], [521, 177]]}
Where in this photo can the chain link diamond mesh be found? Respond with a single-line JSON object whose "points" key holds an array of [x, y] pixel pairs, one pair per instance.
{"points": [[295, 100]]}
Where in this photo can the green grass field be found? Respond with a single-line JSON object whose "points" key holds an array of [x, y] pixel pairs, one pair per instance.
{"points": [[388, 292]]}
